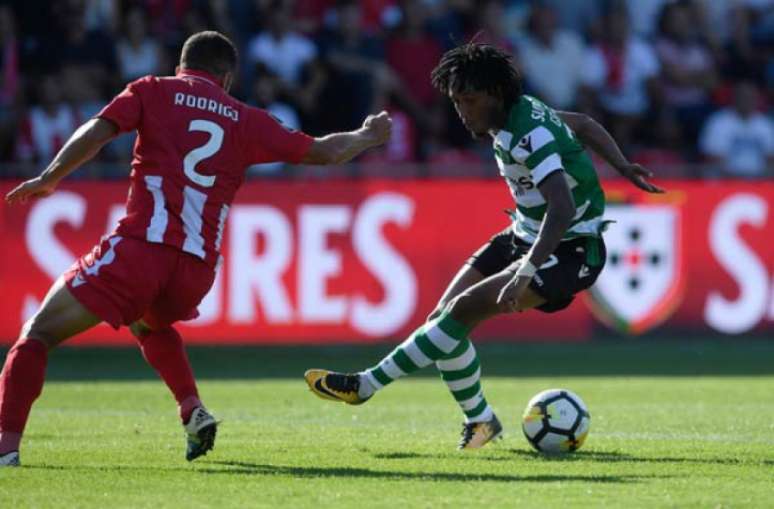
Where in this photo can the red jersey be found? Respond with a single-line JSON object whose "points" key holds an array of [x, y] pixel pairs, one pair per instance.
{"points": [[193, 146]]}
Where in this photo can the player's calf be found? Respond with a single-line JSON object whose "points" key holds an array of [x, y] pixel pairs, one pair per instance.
{"points": [[163, 349], [23, 375], [435, 313], [21, 382]]}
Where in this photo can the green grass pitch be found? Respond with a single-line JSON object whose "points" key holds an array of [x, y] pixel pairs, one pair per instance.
{"points": [[673, 425]]}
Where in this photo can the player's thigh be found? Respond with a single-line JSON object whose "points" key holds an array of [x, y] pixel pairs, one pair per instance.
{"points": [[479, 302], [490, 259], [59, 317]]}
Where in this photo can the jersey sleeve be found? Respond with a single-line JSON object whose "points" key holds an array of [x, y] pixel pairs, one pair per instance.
{"points": [[538, 150], [267, 140], [125, 110]]}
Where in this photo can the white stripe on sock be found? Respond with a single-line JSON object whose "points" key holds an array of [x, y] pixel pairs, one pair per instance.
{"points": [[458, 363], [416, 355], [391, 369], [464, 383], [470, 404], [366, 390], [440, 339]]}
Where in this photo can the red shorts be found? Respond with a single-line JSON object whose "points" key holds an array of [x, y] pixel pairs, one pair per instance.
{"points": [[123, 280]]}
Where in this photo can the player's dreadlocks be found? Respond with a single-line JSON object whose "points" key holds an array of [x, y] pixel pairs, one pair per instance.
{"points": [[475, 66]]}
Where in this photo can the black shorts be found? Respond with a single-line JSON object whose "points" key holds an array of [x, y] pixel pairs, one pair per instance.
{"points": [[573, 267]]}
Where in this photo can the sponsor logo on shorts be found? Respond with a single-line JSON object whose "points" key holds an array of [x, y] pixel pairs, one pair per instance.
{"points": [[583, 272]]}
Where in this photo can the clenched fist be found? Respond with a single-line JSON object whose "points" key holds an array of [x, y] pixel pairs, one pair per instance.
{"points": [[379, 127]]}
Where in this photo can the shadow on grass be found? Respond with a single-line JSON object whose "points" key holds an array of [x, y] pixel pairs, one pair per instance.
{"points": [[402, 455], [593, 456], [616, 457], [244, 468], [364, 473]]}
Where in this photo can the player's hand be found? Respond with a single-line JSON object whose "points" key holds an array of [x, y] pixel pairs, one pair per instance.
{"points": [[512, 292], [379, 127], [637, 174], [37, 187]]}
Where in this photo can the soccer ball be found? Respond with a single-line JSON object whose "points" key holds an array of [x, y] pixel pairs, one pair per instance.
{"points": [[556, 421]]}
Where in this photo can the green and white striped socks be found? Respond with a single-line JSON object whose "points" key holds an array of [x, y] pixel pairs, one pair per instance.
{"points": [[461, 370], [443, 341]]}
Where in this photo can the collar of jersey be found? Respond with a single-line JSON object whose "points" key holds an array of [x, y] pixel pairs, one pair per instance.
{"points": [[504, 138], [210, 78]]}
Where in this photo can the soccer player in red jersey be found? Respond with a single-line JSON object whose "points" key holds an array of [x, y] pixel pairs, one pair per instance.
{"points": [[194, 144]]}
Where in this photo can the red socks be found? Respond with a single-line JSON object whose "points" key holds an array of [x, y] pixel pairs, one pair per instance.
{"points": [[21, 382], [164, 350]]}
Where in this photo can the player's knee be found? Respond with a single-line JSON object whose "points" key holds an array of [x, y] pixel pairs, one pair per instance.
{"points": [[157, 338], [139, 330]]}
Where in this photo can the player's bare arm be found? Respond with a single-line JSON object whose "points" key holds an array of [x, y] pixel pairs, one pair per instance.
{"points": [[83, 145], [559, 213], [592, 134], [338, 148]]}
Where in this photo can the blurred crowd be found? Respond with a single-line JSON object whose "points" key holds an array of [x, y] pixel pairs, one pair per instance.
{"points": [[685, 86]]}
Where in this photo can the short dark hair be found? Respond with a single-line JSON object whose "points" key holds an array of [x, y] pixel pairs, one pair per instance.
{"points": [[209, 51], [475, 66]]}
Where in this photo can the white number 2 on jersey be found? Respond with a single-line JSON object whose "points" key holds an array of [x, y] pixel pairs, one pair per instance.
{"points": [[193, 200], [208, 149]]}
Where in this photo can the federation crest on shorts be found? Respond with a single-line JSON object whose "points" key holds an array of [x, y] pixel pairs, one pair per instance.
{"points": [[642, 281]]}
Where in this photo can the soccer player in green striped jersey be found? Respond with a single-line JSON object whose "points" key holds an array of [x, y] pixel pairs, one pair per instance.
{"points": [[552, 250]]}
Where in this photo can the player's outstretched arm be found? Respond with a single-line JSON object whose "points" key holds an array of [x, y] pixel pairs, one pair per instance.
{"points": [[338, 148], [84, 144], [592, 134]]}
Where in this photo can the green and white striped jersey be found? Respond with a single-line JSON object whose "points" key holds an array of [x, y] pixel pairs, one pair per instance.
{"points": [[534, 143]]}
